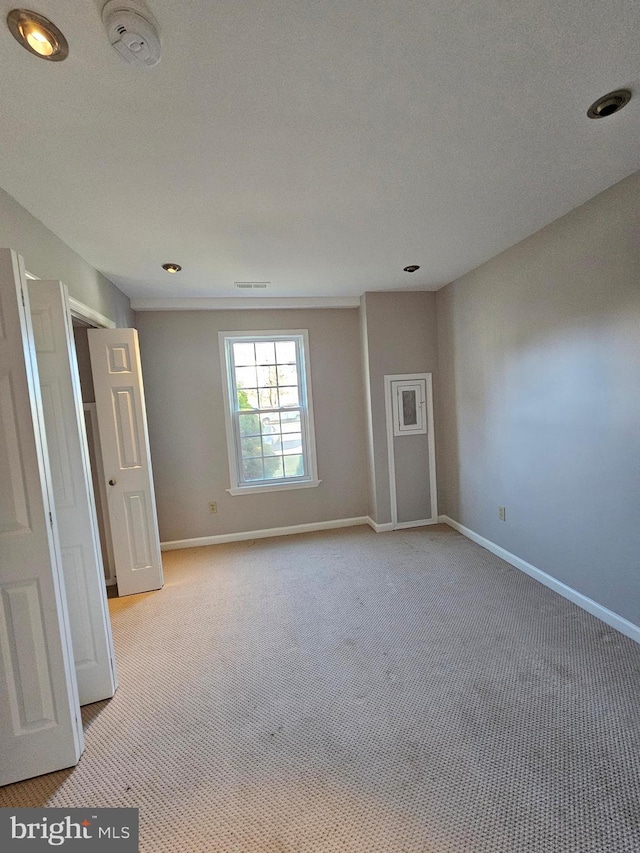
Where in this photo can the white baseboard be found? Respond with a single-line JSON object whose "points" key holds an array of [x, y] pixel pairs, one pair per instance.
{"points": [[404, 525], [243, 535], [424, 522], [613, 619], [379, 528]]}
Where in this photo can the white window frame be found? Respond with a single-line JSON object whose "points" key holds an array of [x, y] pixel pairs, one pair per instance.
{"points": [[310, 479]]}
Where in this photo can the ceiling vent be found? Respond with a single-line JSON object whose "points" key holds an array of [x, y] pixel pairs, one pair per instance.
{"points": [[133, 33], [252, 285]]}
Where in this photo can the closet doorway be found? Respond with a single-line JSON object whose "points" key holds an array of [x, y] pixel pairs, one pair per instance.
{"points": [[80, 328], [56, 650]]}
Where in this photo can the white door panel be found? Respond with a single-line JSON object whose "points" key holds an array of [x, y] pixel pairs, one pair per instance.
{"points": [[73, 491], [124, 441], [40, 728]]}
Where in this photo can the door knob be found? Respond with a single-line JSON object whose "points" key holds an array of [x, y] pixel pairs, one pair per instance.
{"points": [[112, 482]]}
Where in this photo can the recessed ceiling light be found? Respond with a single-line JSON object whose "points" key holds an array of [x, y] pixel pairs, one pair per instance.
{"points": [[37, 35], [411, 268], [171, 267], [609, 104]]}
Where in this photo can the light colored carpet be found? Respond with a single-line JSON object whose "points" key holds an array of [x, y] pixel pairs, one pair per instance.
{"points": [[359, 692]]}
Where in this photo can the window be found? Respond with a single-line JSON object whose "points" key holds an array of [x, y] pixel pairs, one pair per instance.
{"points": [[268, 411]]}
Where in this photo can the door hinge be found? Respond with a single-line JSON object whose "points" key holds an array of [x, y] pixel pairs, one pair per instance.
{"points": [[51, 519]]}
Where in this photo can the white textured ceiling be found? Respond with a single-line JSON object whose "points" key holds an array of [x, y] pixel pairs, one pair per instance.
{"points": [[317, 144]]}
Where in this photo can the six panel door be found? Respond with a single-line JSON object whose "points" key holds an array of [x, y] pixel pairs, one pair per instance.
{"points": [[73, 491], [40, 726], [124, 441]]}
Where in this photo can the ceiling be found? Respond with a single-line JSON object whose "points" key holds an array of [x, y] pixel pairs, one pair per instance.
{"points": [[321, 145]]}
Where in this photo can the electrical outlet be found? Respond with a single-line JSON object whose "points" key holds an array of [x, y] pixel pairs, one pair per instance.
{"points": [[502, 513], [213, 507]]}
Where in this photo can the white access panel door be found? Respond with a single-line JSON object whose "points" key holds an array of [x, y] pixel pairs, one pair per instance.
{"points": [[411, 449], [40, 727], [73, 491], [124, 441]]}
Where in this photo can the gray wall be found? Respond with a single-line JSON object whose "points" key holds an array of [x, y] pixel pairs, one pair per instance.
{"points": [[46, 256], [401, 337], [540, 399], [183, 388]]}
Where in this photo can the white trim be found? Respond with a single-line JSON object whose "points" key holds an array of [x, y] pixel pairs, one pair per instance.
{"points": [[280, 486], [311, 480], [391, 456], [419, 388], [235, 303], [608, 616], [404, 525], [84, 312], [380, 528], [433, 484], [243, 535], [80, 310]]}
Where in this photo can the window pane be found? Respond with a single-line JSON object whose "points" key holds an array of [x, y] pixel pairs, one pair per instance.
{"points": [[270, 423], [267, 377], [265, 352], [286, 352], [243, 354], [409, 408], [273, 468], [293, 466], [253, 469], [246, 377], [287, 375], [251, 447], [290, 421], [292, 443], [248, 399], [268, 398], [249, 425], [272, 445], [289, 396]]}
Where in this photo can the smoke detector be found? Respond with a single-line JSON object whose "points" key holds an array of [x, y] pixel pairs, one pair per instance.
{"points": [[132, 32]]}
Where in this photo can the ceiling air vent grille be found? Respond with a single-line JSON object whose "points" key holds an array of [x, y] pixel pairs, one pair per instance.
{"points": [[252, 285]]}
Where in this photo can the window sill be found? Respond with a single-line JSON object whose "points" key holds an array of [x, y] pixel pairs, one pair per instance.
{"points": [[272, 487]]}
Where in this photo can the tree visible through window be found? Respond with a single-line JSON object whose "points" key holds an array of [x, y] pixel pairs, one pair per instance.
{"points": [[269, 411]]}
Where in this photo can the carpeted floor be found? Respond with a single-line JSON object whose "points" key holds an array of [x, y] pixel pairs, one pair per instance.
{"points": [[354, 692]]}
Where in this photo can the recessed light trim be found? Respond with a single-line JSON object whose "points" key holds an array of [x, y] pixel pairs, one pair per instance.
{"points": [[37, 35], [172, 268], [609, 104], [411, 268]]}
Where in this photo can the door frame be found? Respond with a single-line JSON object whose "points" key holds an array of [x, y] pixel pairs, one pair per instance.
{"points": [[93, 319], [91, 412], [393, 494], [81, 311]]}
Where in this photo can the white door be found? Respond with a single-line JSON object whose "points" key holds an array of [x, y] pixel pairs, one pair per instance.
{"points": [[73, 491], [40, 726], [124, 441]]}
